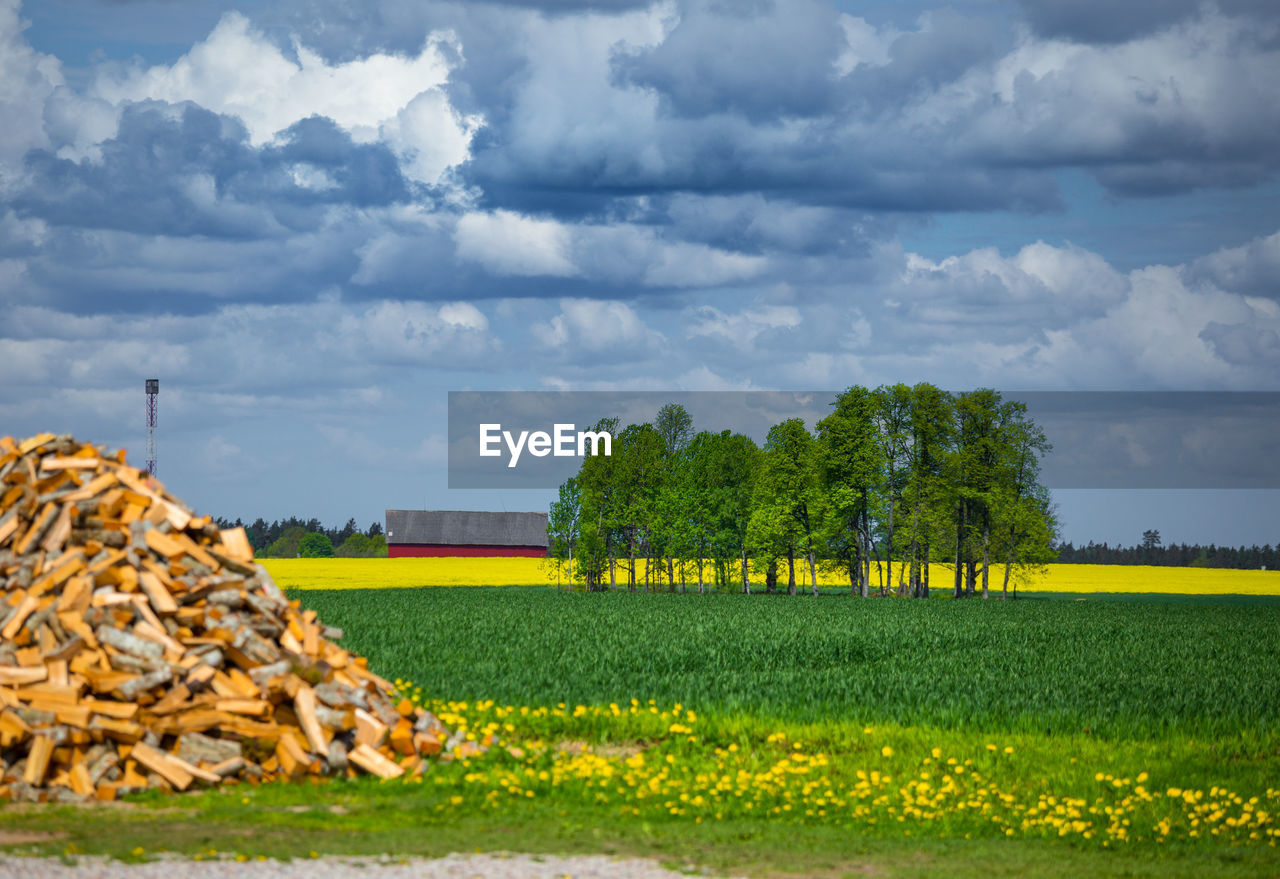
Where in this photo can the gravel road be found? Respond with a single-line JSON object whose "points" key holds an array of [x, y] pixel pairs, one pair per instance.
{"points": [[487, 866]]}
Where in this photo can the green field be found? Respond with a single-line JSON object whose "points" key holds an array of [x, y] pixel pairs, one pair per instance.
{"points": [[768, 735], [1108, 668]]}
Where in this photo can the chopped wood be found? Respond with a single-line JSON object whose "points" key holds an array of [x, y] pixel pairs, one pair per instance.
{"points": [[304, 705], [293, 759], [161, 601], [167, 767], [11, 676], [38, 759], [140, 645], [374, 762], [369, 730], [235, 543]]}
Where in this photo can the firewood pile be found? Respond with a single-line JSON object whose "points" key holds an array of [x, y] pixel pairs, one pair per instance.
{"points": [[141, 646]]}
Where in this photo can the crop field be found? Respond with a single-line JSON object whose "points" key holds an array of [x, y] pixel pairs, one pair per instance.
{"points": [[1112, 669], [1108, 723], [417, 572]]}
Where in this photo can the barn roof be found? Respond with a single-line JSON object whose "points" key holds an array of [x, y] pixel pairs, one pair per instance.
{"points": [[466, 527]]}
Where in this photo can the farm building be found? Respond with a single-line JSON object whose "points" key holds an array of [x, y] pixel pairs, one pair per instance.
{"points": [[419, 533]]}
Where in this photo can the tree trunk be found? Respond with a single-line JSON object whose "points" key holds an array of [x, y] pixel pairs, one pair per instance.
{"points": [[813, 572], [924, 588], [746, 581], [959, 593], [791, 570], [888, 550], [700, 584], [986, 552], [671, 574], [631, 572], [570, 569], [771, 577], [613, 571], [1008, 566], [864, 540]]}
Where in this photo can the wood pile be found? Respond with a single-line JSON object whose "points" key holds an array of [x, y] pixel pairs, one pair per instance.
{"points": [[141, 646]]}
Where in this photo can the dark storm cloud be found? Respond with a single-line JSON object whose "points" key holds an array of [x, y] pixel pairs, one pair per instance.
{"points": [[184, 170], [771, 97], [762, 60], [920, 61], [1105, 21]]}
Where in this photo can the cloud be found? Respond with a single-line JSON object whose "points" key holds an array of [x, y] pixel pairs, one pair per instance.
{"points": [[957, 113], [1098, 21], [238, 71], [586, 328], [27, 79], [1252, 269], [184, 170], [507, 243], [782, 63]]}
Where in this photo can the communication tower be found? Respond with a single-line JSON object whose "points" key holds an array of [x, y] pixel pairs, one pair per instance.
{"points": [[153, 391]]}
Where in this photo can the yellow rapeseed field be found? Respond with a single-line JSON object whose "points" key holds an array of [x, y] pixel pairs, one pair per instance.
{"points": [[416, 572]]}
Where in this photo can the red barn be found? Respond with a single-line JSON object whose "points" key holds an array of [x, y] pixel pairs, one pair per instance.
{"points": [[469, 533]]}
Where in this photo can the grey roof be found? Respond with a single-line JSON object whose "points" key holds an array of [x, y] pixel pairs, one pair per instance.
{"points": [[466, 527]]}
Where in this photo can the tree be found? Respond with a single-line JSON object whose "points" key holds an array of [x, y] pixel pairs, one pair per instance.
{"points": [[738, 459], [315, 546], [675, 426], [599, 487], [564, 522], [638, 450], [1022, 508], [346, 531], [286, 545], [850, 459], [929, 423], [361, 546], [706, 502], [893, 419], [971, 471], [787, 499]]}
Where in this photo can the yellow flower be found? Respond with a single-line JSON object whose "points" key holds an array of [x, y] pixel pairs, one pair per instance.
{"points": [[886, 751]]}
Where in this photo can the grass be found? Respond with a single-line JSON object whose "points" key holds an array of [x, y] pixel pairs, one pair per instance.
{"points": [[365, 818], [1107, 669]]}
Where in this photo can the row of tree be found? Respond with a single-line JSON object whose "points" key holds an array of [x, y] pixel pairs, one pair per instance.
{"points": [[307, 538], [895, 477], [1152, 552]]}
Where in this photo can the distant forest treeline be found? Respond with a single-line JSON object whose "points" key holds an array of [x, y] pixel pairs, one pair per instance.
{"points": [[1188, 555], [294, 537]]}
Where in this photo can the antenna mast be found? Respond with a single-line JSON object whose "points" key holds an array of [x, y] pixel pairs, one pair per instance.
{"points": [[153, 391]]}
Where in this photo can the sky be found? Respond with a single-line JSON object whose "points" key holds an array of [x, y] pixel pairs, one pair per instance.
{"points": [[312, 219]]}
